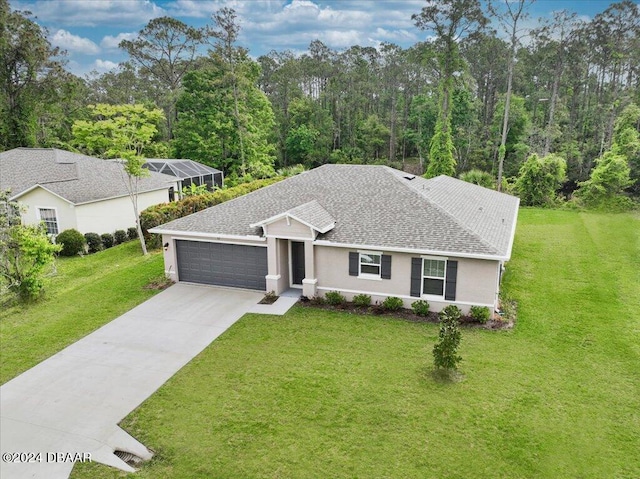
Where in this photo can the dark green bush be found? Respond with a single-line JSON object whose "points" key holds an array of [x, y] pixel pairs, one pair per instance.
{"points": [[107, 240], [420, 307], [132, 233], [93, 242], [362, 300], [120, 236], [392, 303], [452, 311], [480, 313], [445, 352], [72, 242], [334, 298]]}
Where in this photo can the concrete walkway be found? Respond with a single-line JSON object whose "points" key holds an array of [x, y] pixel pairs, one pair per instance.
{"points": [[72, 402]]}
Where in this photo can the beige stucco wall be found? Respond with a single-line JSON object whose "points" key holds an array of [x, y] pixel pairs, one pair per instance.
{"points": [[40, 198], [107, 216], [476, 280], [283, 265], [294, 229]]}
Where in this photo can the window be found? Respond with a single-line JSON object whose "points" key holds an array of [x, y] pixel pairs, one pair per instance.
{"points": [[370, 264], [48, 217], [433, 271]]}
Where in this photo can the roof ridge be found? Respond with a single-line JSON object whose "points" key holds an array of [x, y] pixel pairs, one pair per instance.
{"points": [[439, 207]]}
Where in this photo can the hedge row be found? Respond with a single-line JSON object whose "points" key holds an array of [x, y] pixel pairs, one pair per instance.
{"points": [[163, 213]]}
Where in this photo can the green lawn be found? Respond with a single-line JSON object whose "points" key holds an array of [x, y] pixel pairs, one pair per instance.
{"points": [[86, 293], [322, 394]]}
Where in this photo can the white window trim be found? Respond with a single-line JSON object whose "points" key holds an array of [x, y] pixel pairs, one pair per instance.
{"points": [[369, 276], [40, 220], [423, 277]]}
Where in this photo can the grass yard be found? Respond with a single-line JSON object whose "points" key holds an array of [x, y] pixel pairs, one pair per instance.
{"points": [[86, 293], [327, 394]]}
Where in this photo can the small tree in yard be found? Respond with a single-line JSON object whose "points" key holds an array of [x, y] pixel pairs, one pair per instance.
{"points": [[25, 252], [121, 131], [445, 352]]}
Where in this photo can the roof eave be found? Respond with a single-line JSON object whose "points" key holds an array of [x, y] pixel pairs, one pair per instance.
{"points": [[195, 234], [123, 195], [38, 185], [459, 254], [513, 230]]}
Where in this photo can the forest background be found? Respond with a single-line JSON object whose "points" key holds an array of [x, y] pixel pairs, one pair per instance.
{"points": [[480, 93]]}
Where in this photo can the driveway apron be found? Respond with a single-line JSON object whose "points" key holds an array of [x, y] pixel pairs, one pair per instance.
{"points": [[68, 407]]}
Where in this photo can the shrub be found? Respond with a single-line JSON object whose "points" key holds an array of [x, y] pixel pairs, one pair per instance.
{"points": [[420, 307], [480, 313], [392, 303], [120, 236], [72, 242], [362, 300], [132, 233], [317, 300], [445, 352], [479, 177], [452, 311], [604, 188], [334, 298], [93, 242], [539, 178], [107, 240]]}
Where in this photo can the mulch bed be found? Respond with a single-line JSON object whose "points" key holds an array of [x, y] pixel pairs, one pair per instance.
{"points": [[159, 284], [269, 299], [496, 323]]}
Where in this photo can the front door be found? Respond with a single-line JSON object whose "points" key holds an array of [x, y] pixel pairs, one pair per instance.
{"points": [[297, 262]]}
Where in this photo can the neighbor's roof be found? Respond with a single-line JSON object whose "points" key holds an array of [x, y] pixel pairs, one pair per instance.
{"points": [[374, 206], [180, 168], [72, 176]]}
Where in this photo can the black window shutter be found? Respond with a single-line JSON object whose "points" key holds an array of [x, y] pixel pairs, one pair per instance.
{"points": [[386, 267], [416, 276], [452, 276], [354, 259]]}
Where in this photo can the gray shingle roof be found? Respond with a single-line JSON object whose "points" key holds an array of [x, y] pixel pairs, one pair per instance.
{"points": [[313, 214], [375, 206], [75, 177]]}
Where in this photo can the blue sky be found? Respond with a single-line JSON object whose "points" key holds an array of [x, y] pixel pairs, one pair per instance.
{"points": [[90, 30]]}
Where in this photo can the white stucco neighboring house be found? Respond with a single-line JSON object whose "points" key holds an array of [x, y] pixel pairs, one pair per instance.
{"points": [[69, 190], [356, 229]]}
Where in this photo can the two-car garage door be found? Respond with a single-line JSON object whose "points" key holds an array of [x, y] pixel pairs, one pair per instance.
{"points": [[237, 266]]}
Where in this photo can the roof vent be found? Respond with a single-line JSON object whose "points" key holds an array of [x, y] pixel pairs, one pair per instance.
{"points": [[409, 178]]}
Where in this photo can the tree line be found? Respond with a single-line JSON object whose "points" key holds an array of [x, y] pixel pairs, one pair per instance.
{"points": [[483, 94]]}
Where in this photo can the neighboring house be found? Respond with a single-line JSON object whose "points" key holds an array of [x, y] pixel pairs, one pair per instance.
{"points": [[187, 172], [69, 190], [355, 229]]}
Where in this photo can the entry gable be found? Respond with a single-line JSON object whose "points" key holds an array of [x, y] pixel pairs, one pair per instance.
{"points": [[303, 221]]}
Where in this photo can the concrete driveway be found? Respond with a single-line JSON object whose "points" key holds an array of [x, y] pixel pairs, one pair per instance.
{"points": [[67, 408]]}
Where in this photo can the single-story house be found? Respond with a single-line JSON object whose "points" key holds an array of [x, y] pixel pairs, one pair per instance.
{"points": [[187, 172], [69, 190], [356, 229]]}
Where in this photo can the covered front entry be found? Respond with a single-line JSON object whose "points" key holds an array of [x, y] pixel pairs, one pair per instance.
{"points": [[221, 264]]}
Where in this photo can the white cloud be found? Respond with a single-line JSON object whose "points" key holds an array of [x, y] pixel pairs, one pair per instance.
{"points": [[92, 12], [74, 43], [103, 65], [111, 43]]}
